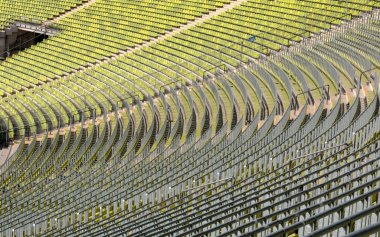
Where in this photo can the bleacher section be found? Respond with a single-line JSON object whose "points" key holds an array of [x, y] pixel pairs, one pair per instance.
{"points": [[34, 10], [161, 118]]}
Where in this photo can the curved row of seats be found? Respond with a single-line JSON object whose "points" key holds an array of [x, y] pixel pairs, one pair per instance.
{"points": [[34, 10]]}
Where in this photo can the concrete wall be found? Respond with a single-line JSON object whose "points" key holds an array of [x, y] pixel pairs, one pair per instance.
{"points": [[12, 38], [11, 35], [3, 44], [7, 38]]}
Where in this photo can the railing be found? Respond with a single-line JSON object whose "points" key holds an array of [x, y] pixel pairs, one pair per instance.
{"points": [[174, 128], [12, 158], [227, 88], [107, 148], [192, 110], [327, 67], [131, 145], [119, 144], [206, 103], [149, 133], [38, 26], [159, 137], [371, 109]]}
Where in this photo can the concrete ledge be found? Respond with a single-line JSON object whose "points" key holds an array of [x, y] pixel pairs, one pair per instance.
{"points": [[37, 28]]}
